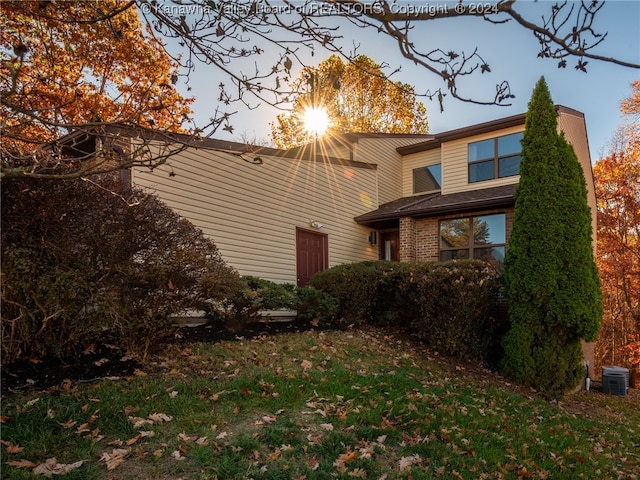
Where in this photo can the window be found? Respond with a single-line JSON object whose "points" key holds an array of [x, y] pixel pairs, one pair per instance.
{"points": [[482, 237], [495, 158], [427, 179]]}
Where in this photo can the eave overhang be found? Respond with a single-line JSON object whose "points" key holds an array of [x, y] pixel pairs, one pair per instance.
{"points": [[436, 205]]}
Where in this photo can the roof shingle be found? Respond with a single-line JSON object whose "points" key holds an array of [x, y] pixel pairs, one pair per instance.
{"points": [[436, 204]]}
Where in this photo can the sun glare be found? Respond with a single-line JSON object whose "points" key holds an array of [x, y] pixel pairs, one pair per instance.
{"points": [[316, 120]]}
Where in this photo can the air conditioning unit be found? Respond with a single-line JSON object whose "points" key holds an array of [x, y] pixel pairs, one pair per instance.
{"points": [[615, 380]]}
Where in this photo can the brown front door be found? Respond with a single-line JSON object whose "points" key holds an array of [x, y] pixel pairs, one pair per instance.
{"points": [[389, 242], [312, 254]]}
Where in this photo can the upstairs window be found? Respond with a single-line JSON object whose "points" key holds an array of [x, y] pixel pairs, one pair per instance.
{"points": [[495, 158], [482, 237], [427, 179]]}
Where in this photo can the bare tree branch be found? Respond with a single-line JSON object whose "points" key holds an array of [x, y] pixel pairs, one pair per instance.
{"points": [[257, 46]]}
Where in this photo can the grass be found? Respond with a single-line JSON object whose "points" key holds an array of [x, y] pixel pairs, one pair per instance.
{"points": [[344, 405]]}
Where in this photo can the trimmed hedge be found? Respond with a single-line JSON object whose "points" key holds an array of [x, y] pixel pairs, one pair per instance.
{"points": [[356, 287], [454, 307], [247, 303]]}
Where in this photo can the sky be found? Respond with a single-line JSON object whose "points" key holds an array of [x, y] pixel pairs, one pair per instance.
{"points": [[510, 50]]}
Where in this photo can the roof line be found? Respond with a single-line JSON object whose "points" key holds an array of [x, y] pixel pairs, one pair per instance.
{"points": [[438, 204], [476, 129], [417, 202], [224, 146], [243, 148]]}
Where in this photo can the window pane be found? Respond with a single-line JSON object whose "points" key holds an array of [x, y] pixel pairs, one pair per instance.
{"points": [[453, 254], [509, 166], [509, 144], [482, 150], [426, 179], [455, 233], [489, 229], [481, 171], [492, 254], [387, 250]]}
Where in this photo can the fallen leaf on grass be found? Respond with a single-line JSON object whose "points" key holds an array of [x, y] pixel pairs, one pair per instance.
{"points": [[343, 459], [275, 455], [133, 440], [11, 448], [83, 428], [314, 439], [366, 452], [177, 455], [68, 424], [32, 402], [139, 422], [140, 452], [21, 463], [143, 434], [14, 449], [115, 458], [405, 463], [95, 434], [150, 420], [52, 467], [160, 417], [357, 473], [129, 410]]}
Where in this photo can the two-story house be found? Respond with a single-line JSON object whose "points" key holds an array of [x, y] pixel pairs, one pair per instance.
{"points": [[458, 191], [286, 214]]}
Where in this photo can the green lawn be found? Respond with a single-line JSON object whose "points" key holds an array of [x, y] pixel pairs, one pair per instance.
{"points": [[316, 405]]}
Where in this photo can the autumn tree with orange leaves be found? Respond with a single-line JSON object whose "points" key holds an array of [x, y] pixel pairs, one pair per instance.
{"points": [[345, 92], [617, 182], [83, 67]]}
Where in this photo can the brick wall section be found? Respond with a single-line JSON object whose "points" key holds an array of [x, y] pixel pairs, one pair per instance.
{"points": [[407, 239], [427, 239], [509, 222], [420, 238]]}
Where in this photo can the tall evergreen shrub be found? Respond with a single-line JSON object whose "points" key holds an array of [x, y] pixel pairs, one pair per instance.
{"points": [[551, 280]]}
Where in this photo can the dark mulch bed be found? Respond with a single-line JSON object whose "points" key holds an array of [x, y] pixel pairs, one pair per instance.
{"points": [[104, 360]]}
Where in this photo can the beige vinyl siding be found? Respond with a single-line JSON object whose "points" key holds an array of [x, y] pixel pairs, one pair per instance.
{"points": [[455, 164], [336, 151], [251, 211], [413, 161], [382, 152]]}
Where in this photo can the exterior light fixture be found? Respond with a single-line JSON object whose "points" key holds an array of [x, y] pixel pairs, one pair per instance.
{"points": [[373, 237], [316, 224]]}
